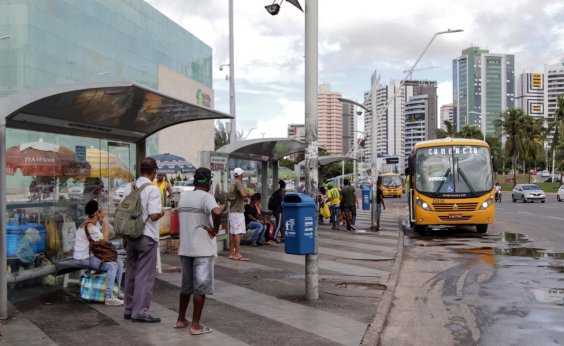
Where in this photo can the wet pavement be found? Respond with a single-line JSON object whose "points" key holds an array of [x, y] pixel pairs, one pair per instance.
{"points": [[458, 287]]}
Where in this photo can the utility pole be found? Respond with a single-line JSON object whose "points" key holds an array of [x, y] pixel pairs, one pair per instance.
{"points": [[311, 155], [233, 136]]}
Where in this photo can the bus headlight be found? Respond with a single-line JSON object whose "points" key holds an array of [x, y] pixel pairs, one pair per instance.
{"points": [[423, 204], [486, 204]]}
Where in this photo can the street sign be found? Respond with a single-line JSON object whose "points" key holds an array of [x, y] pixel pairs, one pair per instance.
{"points": [[392, 160], [80, 153]]}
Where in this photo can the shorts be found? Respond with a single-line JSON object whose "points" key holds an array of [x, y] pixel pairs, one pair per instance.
{"points": [[237, 223], [197, 275], [378, 211]]}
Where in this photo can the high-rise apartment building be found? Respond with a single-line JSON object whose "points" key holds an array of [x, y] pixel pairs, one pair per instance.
{"points": [[349, 128], [416, 111], [530, 94], [554, 86], [330, 120], [483, 87], [446, 114]]}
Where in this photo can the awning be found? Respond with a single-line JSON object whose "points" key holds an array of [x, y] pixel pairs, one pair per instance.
{"points": [[122, 111], [325, 160], [263, 149]]}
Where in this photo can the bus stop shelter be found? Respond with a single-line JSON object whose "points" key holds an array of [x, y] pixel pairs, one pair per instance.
{"points": [[323, 161], [121, 111], [264, 150]]}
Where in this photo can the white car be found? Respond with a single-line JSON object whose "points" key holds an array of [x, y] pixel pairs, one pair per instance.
{"points": [[560, 194], [527, 193], [120, 193], [182, 186], [76, 192]]}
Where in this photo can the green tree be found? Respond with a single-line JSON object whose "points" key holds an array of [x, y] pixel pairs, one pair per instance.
{"points": [[221, 136], [494, 141], [469, 131], [513, 125], [558, 140], [449, 132]]}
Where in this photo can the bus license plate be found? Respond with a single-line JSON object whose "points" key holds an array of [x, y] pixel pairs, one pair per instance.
{"points": [[455, 216], [438, 200]]}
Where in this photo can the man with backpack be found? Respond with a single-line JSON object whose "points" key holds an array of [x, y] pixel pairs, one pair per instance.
{"points": [[275, 205], [141, 246]]}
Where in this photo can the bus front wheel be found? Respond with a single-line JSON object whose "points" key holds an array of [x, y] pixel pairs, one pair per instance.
{"points": [[482, 228], [417, 228]]}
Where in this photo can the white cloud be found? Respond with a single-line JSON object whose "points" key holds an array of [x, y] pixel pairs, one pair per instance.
{"points": [[293, 112]]}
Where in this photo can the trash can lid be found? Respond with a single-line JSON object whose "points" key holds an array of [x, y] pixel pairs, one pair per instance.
{"points": [[298, 199]]}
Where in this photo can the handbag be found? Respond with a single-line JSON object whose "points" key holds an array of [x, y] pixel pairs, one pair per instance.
{"points": [[325, 212], [102, 249], [93, 286]]}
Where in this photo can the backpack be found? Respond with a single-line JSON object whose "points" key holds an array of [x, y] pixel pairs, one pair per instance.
{"points": [[274, 200], [127, 219]]}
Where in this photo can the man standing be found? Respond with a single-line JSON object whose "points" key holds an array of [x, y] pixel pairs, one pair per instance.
{"points": [[237, 225], [199, 219], [275, 205], [141, 261], [164, 187], [334, 198], [379, 203], [350, 203]]}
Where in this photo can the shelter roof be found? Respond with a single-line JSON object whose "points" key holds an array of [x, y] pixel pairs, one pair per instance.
{"points": [[263, 149], [123, 111], [325, 160]]}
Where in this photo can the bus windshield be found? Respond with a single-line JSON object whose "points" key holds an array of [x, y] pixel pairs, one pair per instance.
{"points": [[453, 170], [391, 181]]}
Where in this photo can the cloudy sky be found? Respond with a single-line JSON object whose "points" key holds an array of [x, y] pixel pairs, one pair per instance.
{"points": [[356, 38]]}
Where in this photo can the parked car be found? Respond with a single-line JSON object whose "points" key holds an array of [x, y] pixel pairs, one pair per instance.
{"points": [[549, 180], [182, 186], [76, 192], [527, 193], [545, 173], [120, 193], [560, 194]]}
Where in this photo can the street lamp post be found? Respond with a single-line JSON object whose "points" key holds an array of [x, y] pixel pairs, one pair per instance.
{"points": [[99, 74], [5, 37], [232, 138]]}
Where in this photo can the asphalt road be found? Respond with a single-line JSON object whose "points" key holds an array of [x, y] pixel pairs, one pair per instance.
{"points": [[505, 287]]}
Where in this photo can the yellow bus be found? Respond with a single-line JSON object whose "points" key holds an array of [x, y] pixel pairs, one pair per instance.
{"points": [[450, 182], [391, 185]]}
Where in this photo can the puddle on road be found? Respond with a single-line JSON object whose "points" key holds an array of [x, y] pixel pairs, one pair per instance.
{"points": [[528, 252], [514, 237], [549, 295]]}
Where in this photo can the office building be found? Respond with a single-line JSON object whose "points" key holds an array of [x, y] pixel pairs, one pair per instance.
{"points": [[483, 87], [554, 87], [446, 114], [530, 94], [416, 111], [330, 120], [88, 41]]}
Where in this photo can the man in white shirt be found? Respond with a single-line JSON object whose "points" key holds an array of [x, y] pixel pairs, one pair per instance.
{"points": [[141, 260], [199, 218]]}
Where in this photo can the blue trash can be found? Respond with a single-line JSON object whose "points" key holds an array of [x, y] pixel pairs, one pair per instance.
{"points": [[300, 217], [365, 198]]}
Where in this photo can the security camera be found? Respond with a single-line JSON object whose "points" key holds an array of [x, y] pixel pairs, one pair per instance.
{"points": [[273, 9], [359, 112], [221, 67]]}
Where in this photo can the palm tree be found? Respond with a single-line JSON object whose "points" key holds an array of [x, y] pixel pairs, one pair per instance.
{"points": [[536, 132], [221, 136], [494, 141], [450, 130], [469, 131], [513, 124], [558, 124]]}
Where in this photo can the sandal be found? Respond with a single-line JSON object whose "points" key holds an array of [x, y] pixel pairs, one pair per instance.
{"points": [[203, 330], [242, 258], [183, 324]]}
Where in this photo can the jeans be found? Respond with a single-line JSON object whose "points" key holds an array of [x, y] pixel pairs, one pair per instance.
{"points": [[113, 270], [335, 215], [350, 215], [259, 230]]}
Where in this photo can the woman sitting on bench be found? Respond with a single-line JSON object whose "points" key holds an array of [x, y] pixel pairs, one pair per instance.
{"points": [[82, 250]]}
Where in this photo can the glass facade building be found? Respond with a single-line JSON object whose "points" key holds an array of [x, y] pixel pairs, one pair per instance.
{"points": [[66, 41]]}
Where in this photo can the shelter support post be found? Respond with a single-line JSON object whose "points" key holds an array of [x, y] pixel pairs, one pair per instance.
{"points": [[311, 126], [140, 152], [3, 259], [274, 176], [264, 185]]}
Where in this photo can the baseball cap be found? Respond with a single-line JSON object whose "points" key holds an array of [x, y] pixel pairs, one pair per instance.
{"points": [[238, 171], [202, 175]]}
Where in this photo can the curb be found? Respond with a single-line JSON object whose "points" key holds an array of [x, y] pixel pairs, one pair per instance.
{"points": [[372, 334]]}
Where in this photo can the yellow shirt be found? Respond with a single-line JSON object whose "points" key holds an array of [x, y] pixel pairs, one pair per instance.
{"points": [[334, 196]]}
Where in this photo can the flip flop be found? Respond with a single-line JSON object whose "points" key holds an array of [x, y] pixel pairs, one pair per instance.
{"points": [[203, 330], [187, 322], [242, 258]]}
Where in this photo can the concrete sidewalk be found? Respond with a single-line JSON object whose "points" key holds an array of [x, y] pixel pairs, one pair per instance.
{"points": [[256, 302]]}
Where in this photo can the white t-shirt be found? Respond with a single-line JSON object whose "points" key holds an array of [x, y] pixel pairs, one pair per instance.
{"points": [[81, 244], [195, 209], [150, 204]]}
